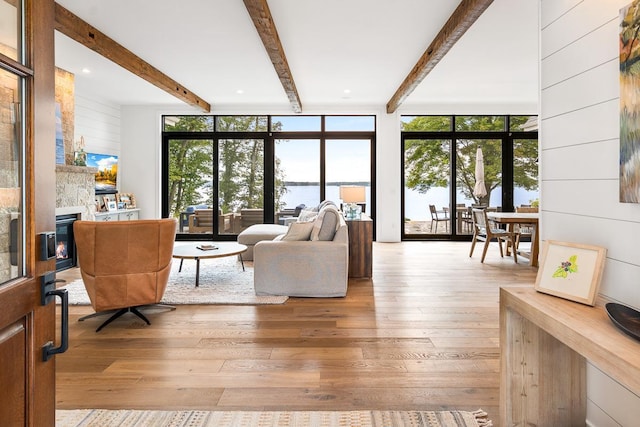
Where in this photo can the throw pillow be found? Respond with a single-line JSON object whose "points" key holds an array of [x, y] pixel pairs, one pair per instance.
{"points": [[326, 203], [307, 215], [326, 225], [299, 231]]}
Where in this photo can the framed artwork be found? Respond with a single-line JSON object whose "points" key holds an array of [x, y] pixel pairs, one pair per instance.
{"points": [[571, 270], [105, 201], [128, 199], [60, 160], [629, 84], [80, 158], [112, 206], [107, 175]]}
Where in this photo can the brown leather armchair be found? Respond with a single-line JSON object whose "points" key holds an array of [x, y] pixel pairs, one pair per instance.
{"points": [[124, 264]]}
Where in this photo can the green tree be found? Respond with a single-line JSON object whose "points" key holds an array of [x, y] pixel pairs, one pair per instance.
{"points": [[427, 161], [240, 167], [241, 164], [189, 166]]}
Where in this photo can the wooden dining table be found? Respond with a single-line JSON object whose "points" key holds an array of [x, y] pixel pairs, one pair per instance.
{"points": [[524, 218]]}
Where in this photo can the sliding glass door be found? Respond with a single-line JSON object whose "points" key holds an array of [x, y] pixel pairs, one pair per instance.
{"points": [[240, 185], [297, 175], [189, 183], [492, 160], [426, 190], [348, 164]]}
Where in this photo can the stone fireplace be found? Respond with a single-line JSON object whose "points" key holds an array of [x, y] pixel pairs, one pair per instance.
{"points": [[75, 199], [65, 242], [75, 191]]}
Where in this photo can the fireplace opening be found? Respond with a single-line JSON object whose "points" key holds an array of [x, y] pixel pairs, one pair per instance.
{"points": [[65, 243]]}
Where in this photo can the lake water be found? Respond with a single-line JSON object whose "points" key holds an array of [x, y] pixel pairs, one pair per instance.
{"points": [[416, 204]]}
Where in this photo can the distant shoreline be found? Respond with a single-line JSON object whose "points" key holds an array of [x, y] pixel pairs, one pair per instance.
{"points": [[330, 183]]}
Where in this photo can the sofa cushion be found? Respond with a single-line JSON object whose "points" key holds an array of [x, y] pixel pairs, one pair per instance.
{"points": [[259, 232], [299, 231], [325, 226]]}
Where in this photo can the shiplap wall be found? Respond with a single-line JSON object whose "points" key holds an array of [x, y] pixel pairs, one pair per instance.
{"points": [[579, 137], [99, 123]]}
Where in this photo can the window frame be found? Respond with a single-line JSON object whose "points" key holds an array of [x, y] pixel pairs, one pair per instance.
{"points": [[269, 138], [506, 136]]}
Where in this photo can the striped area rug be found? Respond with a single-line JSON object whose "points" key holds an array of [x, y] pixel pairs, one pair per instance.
{"points": [[129, 418]]}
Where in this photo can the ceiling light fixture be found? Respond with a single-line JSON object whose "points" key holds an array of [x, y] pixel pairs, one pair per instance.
{"points": [[86, 70], [240, 91]]}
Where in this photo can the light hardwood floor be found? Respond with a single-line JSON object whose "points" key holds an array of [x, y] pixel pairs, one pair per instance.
{"points": [[423, 334]]}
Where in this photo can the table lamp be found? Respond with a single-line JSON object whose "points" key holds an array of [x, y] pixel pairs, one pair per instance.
{"points": [[351, 196]]}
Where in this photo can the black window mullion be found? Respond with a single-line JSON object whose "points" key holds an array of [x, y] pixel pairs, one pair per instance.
{"points": [[453, 176], [507, 174], [323, 172], [269, 179], [164, 184]]}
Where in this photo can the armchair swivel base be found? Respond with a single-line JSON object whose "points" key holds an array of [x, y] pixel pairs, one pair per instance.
{"points": [[119, 312]]}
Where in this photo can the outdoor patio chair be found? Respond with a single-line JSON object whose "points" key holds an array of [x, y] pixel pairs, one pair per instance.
{"points": [[437, 217], [524, 231], [485, 231]]}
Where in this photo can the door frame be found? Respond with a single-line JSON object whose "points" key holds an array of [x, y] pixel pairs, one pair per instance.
{"points": [[21, 311]]}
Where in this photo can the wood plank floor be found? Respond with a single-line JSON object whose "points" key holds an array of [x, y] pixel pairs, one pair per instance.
{"points": [[423, 334]]}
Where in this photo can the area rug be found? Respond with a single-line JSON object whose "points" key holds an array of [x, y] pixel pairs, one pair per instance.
{"points": [[222, 281], [130, 418]]}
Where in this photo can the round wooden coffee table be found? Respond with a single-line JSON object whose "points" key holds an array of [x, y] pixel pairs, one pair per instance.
{"points": [[222, 249]]}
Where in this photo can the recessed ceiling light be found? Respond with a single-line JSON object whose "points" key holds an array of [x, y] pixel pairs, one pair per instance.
{"points": [[347, 91], [240, 91], [86, 70]]}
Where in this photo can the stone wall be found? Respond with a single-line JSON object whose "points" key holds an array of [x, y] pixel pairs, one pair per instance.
{"points": [[75, 191]]}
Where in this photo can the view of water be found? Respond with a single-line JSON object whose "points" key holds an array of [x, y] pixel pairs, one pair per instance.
{"points": [[416, 204]]}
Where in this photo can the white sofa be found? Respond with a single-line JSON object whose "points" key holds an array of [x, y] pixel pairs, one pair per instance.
{"points": [[310, 268]]}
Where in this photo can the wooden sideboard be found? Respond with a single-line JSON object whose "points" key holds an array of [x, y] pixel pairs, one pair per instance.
{"points": [[360, 247], [545, 342]]}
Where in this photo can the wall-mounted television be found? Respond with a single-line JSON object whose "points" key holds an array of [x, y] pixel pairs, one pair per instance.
{"points": [[107, 175]]}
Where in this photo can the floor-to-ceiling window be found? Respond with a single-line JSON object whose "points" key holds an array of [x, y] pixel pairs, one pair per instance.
{"points": [[222, 174], [441, 150]]}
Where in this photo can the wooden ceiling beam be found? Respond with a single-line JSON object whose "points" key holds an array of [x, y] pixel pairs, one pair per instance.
{"points": [[77, 29], [263, 21], [467, 12]]}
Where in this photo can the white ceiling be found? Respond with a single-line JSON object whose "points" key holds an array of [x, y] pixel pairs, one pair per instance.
{"points": [[367, 47]]}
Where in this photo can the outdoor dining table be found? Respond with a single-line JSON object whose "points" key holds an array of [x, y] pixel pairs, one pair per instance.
{"points": [[513, 218]]}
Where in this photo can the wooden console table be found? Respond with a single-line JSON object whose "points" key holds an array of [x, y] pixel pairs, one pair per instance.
{"points": [[360, 246], [545, 342]]}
